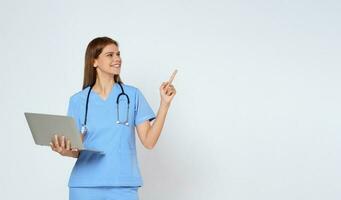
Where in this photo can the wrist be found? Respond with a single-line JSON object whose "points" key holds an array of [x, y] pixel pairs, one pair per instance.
{"points": [[165, 104], [75, 154]]}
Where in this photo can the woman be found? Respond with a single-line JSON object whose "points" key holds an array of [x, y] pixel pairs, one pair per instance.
{"points": [[107, 119]]}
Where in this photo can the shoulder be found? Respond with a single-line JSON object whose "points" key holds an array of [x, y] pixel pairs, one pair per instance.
{"points": [[130, 89], [133, 92], [80, 95]]}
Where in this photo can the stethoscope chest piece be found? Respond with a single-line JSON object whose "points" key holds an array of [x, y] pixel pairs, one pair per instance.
{"points": [[125, 123], [84, 129]]}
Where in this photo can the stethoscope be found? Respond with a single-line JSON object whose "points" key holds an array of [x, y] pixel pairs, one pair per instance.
{"points": [[84, 128]]}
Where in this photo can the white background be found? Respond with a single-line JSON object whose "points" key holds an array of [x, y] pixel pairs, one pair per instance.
{"points": [[257, 114]]}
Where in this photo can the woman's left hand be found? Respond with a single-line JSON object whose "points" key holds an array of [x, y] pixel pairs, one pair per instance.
{"points": [[167, 92]]}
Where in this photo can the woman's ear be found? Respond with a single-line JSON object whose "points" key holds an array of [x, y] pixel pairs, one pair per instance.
{"points": [[95, 63]]}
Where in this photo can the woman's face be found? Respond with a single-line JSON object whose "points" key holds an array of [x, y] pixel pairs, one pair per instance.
{"points": [[109, 61]]}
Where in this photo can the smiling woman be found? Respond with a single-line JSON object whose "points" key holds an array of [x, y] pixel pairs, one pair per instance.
{"points": [[104, 100], [103, 53]]}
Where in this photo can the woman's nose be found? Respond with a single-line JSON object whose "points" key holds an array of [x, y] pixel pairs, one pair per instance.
{"points": [[117, 58]]}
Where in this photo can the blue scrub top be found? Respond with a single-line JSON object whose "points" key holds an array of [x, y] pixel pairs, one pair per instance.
{"points": [[118, 166]]}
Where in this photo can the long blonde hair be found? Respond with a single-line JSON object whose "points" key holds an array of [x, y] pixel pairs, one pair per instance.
{"points": [[94, 49]]}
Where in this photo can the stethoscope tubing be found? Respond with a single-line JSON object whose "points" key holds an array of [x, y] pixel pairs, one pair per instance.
{"points": [[84, 129]]}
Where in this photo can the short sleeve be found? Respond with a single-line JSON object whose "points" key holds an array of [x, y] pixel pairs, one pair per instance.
{"points": [[143, 111], [72, 112]]}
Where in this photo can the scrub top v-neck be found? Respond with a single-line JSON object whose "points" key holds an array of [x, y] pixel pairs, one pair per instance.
{"points": [[119, 165], [108, 96]]}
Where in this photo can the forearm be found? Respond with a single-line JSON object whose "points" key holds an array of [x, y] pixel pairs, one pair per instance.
{"points": [[154, 132]]}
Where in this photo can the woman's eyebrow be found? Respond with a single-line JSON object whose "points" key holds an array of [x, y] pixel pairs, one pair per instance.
{"points": [[111, 52]]}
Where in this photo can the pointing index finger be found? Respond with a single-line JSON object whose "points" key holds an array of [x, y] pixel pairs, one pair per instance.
{"points": [[172, 77]]}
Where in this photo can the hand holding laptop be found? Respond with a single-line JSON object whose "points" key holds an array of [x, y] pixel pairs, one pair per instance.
{"points": [[62, 145]]}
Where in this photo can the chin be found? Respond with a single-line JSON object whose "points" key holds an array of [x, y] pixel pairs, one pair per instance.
{"points": [[115, 72]]}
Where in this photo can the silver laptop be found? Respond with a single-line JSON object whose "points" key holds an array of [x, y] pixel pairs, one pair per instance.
{"points": [[43, 128]]}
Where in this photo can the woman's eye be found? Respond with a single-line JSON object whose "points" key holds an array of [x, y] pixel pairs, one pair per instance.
{"points": [[110, 55]]}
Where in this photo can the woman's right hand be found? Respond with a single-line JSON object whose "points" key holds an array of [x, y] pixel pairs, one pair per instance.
{"points": [[63, 146]]}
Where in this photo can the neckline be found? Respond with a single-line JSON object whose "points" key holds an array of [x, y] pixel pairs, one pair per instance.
{"points": [[108, 96]]}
